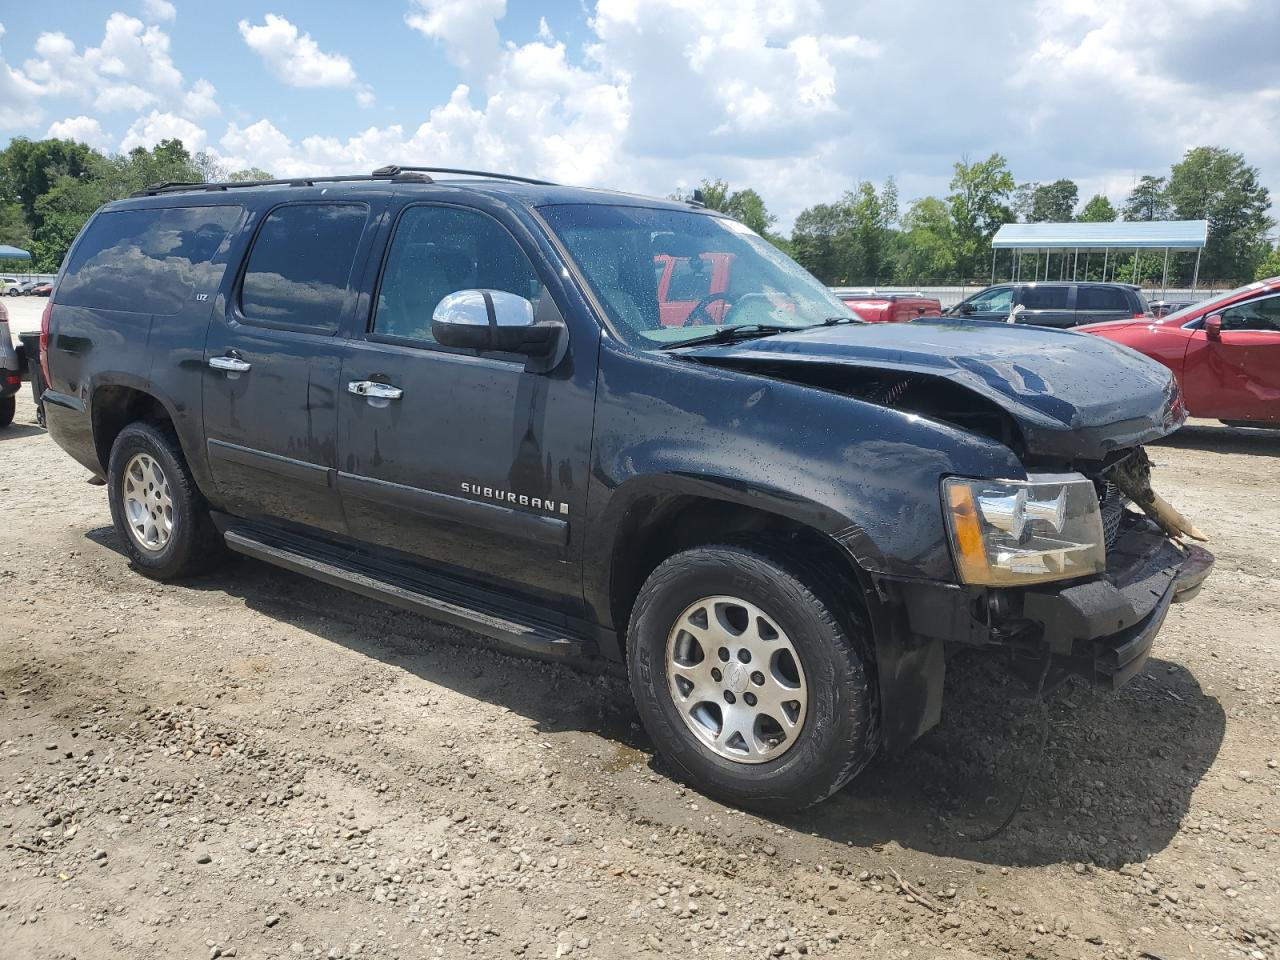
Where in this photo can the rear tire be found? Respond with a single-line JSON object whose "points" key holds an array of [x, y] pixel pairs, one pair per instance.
{"points": [[761, 602], [160, 515], [8, 407]]}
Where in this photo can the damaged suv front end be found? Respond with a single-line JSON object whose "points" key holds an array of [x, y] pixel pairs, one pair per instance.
{"points": [[986, 481]]}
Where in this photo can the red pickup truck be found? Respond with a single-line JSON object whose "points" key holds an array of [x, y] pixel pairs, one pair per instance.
{"points": [[684, 282], [889, 307]]}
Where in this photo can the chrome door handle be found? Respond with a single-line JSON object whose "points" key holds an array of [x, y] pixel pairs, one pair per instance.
{"points": [[230, 364], [374, 390]]}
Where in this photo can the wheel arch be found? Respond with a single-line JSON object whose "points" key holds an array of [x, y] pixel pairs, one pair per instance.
{"points": [[113, 406]]}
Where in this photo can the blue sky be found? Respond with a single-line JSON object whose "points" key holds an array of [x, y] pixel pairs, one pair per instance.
{"points": [[798, 98]]}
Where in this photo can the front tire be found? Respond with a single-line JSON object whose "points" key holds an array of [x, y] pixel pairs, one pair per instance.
{"points": [[159, 514], [748, 679]]}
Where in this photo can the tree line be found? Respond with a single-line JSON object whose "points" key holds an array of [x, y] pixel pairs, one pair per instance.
{"points": [[863, 238], [49, 188]]}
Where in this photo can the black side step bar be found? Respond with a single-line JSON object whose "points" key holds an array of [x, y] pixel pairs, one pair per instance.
{"points": [[342, 569]]}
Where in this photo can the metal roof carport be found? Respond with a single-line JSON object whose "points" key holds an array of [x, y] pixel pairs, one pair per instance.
{"points": [[1137, 235]]}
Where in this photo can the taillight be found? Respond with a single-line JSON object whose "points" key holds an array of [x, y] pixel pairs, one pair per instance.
{"points": [[44, 342]]}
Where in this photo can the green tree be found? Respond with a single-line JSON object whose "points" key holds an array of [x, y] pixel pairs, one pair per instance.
{"points": [[28, 168], [1148, 200], [13, 225], [1097, 210], [924, 249], [1268, 266], [61, 211], [1054, 202], [979, 202], [819, 242], [871, 216], [1214, 184], [250, 173]]}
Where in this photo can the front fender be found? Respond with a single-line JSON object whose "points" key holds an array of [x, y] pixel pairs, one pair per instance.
{"points": [[862, 474]]}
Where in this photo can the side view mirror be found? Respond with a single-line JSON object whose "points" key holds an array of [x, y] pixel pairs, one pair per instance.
{"points": [[1213, 327], [964, 309], [504, 322]]}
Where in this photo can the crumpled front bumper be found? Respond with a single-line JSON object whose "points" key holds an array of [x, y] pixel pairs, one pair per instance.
{"points": [[1103, 629]]}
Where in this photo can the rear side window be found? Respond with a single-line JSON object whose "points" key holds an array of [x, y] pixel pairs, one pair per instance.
{"points": [[1045, 298], [1101, 298], [148, 261], [299, 270]]}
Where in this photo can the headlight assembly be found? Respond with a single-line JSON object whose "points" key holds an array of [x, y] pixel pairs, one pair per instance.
{"points": [[1012, 532]]}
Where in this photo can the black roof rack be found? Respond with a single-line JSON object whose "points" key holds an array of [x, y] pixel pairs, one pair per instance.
{"points": [[178, 186], [393, 170], [390, 172]]}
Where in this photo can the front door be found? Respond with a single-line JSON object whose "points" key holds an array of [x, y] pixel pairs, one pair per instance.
{"points": [[991, 304], [1237, 377], [272, 366], [459, 461]]}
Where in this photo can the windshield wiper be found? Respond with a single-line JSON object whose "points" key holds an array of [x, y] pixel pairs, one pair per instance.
{"points": [[742, 331], [832, 321]]}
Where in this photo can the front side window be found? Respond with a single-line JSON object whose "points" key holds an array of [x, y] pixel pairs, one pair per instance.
{"points": [[616, 246], [437, 251], [1261, 314], [993, 301], [299, 271], [149, 260]]}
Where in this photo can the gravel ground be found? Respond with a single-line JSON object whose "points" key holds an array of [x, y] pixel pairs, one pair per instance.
{"points": [[254, 765]]}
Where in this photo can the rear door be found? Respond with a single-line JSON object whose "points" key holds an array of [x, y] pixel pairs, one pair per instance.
{"points": [[1098, 304], [272, 362], [473, 466], [1047, 304], [1238, 376]]}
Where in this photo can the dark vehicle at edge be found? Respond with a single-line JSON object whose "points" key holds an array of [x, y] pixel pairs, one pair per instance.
{"points": [[457, 395], [1056, 303]]}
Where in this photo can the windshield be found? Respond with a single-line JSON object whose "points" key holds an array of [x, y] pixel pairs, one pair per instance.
{"points": [[669, 276], [1179, 317]]}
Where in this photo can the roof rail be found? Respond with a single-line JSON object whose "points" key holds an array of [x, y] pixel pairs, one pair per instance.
{"points": [[392, 170], [180, 186]]}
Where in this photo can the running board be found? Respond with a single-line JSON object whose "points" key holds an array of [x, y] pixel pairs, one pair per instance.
{"points": [[345, 569]]}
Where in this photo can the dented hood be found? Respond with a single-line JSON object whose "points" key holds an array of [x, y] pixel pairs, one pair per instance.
{"points": [[1072, 396]]}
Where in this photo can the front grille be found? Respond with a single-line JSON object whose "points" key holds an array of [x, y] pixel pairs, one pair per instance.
{"points": [[1112, 503]]}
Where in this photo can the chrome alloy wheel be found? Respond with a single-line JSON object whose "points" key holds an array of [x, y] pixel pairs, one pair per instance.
{"points": [[736, 679], [148, 505]]}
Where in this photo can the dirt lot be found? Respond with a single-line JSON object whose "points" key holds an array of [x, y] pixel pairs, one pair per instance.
{"points": [[253, 765]]}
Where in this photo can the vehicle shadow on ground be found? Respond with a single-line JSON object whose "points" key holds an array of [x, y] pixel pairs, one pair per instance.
{"points": [[1113, 785], [16, 431], [1250, 441]]}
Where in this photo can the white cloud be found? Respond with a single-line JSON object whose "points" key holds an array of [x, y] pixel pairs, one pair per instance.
{"points": [[297, 60], [159, 10], [18, 96], [149, 130], [467, 29], [798, 98], [130, 71], [86, 130]]}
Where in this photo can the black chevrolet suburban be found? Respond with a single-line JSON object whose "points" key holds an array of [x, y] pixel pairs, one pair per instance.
{"points": [[1056, 304], [459, 394]]}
